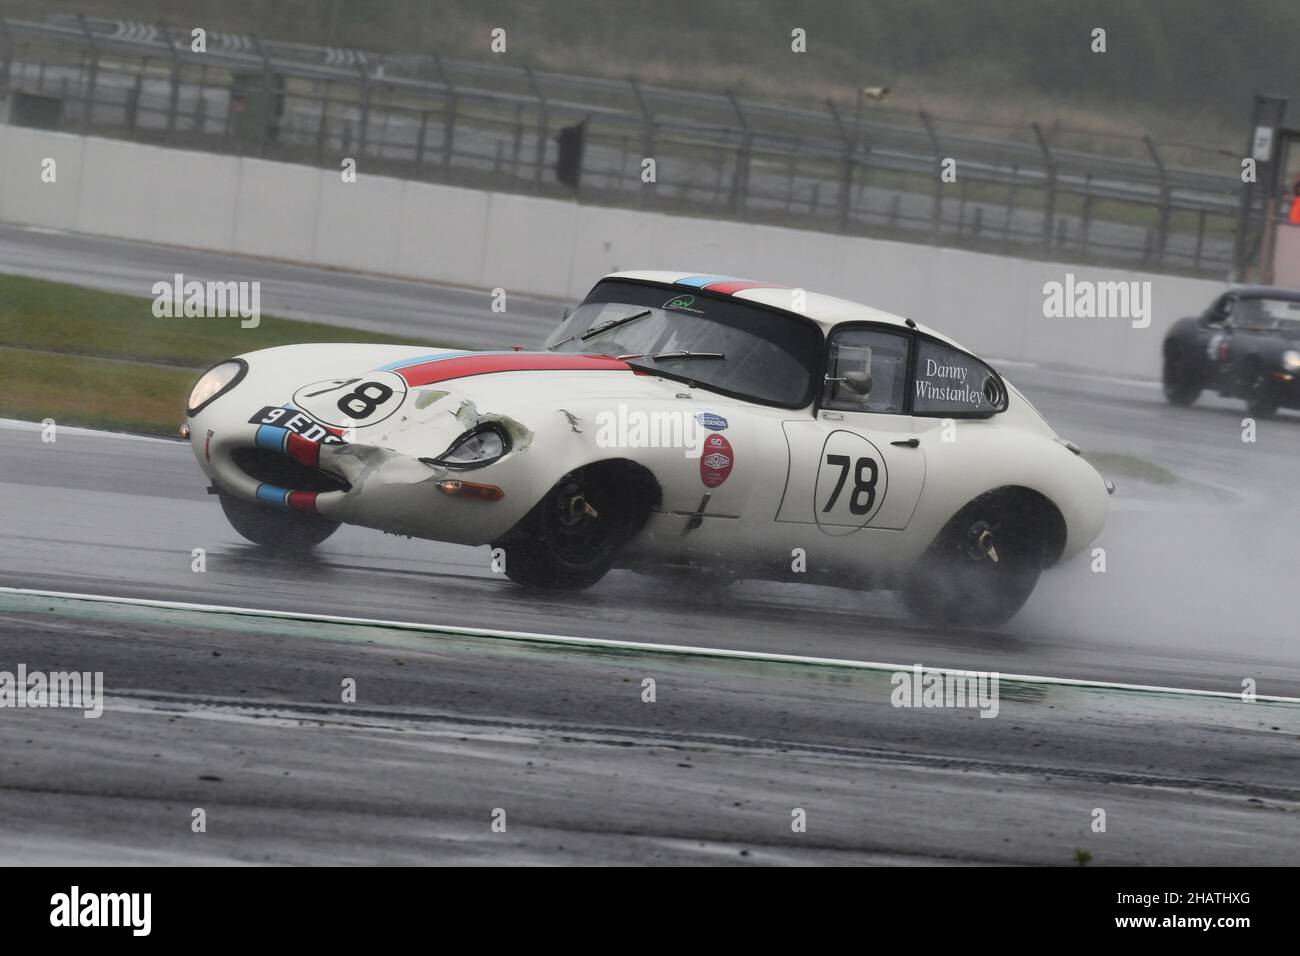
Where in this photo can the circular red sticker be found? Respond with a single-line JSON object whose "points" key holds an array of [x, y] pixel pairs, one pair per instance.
{"points": [[715, 461]]}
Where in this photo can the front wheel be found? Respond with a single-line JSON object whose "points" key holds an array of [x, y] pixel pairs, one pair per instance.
{"points": [[284, 531], [981, 568], [1180, 384], [1261, 401], [570, 538]]}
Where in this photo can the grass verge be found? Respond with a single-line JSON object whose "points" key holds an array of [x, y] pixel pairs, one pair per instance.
{"points": [[102, 360]]}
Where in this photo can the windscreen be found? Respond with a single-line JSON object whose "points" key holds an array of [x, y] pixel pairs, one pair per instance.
{"points": [[723, 344], [1264, 314]]}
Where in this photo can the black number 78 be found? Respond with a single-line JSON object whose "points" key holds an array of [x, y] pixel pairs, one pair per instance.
{"points": [[861, 486]]}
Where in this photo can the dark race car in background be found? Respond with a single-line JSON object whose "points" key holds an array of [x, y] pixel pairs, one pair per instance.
{"points": [[1245, 345]]}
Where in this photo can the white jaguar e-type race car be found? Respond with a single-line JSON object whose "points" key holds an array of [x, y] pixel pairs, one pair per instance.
{"points": [[672, 423]]}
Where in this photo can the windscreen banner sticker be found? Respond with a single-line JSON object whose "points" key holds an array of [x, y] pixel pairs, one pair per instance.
{"points": [[683, 303], [300, 424], [714, 423], [716, 461]]}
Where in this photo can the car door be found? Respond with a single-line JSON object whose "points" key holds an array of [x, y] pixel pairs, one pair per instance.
{"points": [[858, 463]]}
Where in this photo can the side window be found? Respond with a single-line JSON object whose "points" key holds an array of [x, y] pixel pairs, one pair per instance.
{"points": [[952, 383], [866, 371], [1222, 314]]}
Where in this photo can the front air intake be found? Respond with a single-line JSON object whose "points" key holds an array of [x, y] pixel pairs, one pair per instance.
{"points": [[275, 469]]}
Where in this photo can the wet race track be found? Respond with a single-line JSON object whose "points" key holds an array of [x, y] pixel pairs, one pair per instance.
{"points": [[240, 714]]}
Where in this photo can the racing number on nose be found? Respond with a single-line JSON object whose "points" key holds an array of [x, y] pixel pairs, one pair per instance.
{"points": [[360, 403], [362, 400], [865, 473]]}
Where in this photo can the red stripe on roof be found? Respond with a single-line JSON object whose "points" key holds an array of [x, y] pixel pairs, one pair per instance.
{"points": [[739, 285], [426, 373]]}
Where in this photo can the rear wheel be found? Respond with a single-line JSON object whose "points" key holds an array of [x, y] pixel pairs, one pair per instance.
{"points": [[287, 532], [1181, 386], [982, 566], [570, 538]]}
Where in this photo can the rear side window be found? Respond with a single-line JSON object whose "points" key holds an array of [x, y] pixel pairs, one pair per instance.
{"points": [[954, 384]]}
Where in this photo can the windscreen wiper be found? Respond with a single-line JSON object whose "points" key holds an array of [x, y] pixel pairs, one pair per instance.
{"points": [[684, 354], [614, 323]]}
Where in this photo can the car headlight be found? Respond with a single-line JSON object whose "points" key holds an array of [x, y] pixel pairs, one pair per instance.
{"points": [[1291, 360], [478, 447], [214, 382], [475, 449]]}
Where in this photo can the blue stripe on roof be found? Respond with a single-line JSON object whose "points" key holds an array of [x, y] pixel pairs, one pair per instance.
{"points": [[699, 282], [271, 437], [417, 359]]}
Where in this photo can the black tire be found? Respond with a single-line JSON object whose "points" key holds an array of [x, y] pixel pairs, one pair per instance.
{"points": [[1261, 398], [958, 582], [570, 538], [282, 531], [1181, 385]]}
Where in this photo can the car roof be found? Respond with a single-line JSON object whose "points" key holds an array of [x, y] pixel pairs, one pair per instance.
{"points": [[826, 310]]}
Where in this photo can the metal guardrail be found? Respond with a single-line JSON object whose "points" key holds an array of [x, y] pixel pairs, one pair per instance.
{"points": [[863, 170]]}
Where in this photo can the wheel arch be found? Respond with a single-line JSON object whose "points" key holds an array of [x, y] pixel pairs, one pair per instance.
{"points": [[1045, 518], [642, 484]]}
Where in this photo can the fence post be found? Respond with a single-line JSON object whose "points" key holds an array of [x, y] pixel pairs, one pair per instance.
{"points": [[790, 161], [846, 171], [364, 74], [93, 82], [322, 129], [740, 178], [1162, 235], [936, 213], [1011, 201], [1049, 165], [133, 105], [1087, 210], [265, 125], [449, 121], [174, 97], [1200, 238], [419, 139], [651, 131], [543, 127], [8, 53]]}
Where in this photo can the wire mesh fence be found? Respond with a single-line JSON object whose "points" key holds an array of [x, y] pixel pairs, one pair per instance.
{"points": [[857, 168]]}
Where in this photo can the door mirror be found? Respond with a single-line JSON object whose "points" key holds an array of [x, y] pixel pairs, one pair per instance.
{"points": [[858, 382]]}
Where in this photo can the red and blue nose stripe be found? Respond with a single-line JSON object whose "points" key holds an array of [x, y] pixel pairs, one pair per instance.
{"points": [[302, 450], [286, 498]]}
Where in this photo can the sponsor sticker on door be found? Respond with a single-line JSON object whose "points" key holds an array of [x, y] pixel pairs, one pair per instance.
{"points": [[716, 462]]}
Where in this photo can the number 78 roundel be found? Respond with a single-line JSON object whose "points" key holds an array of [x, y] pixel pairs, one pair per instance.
{"points": [[345, 402], [851, 482]]}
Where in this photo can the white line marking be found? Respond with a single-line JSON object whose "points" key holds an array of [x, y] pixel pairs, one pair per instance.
{"points": [[626, 645]]}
